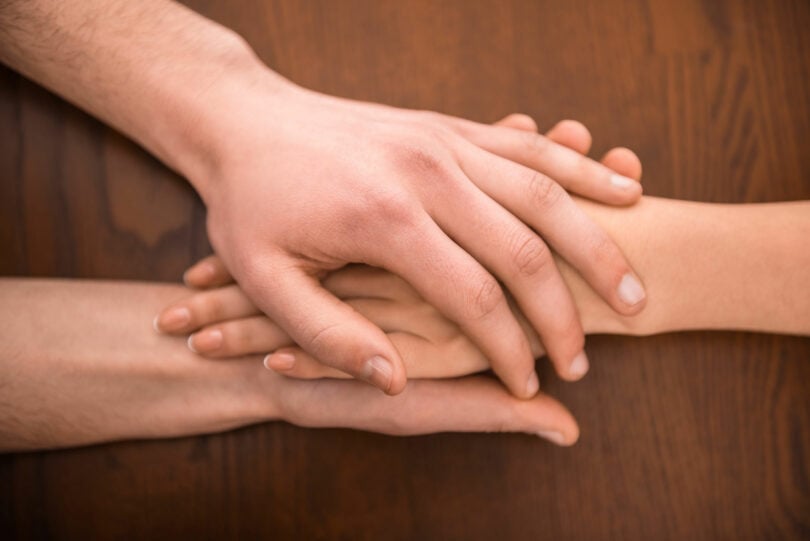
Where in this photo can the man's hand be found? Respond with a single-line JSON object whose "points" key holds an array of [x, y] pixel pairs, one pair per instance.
{"points": [[303, 184]]}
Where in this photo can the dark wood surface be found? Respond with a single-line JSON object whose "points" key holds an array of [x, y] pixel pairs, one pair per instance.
{"points": [[684, 436]]}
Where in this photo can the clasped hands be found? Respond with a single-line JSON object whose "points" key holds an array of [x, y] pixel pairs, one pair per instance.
{"points": [[450, 209]]}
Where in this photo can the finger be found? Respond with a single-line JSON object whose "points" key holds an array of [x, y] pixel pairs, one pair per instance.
{"points": [[546, 207], [363, 281], [624, 161], [573, 171], [518, 121], [458, 286], [326, 327], [422, 359], [258, 334], [571, 134], [473, 404], [519, 258], [239, 337], [204, 308], [208, 272]]}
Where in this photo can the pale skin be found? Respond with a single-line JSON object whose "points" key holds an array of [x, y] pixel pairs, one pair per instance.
{"points": [[298, 184], [695, 258], [81, 363]]}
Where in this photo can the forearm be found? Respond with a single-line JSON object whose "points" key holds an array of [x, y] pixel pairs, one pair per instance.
{"points": [[80, 363], [707, 266], [154, 69]]}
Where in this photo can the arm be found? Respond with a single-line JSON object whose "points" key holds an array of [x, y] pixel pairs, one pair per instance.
{"points": [[260, 151], [696, 259], [707, 266], [80, 364]]}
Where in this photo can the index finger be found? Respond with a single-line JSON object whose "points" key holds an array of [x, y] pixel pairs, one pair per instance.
{"points": [[570, 169]]}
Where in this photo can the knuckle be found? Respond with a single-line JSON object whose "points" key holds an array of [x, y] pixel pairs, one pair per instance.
{"points": [[530, 255], [392, 207], [535, 144], [605, 254], [421, 156], [206, 308], [485, 299], [323, 338], [542, 192]]}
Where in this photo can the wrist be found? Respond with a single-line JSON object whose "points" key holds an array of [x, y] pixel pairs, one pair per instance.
{"points": [[201, 115], [215, 120]]}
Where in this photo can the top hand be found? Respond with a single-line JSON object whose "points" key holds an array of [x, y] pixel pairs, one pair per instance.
{"points": [[304, 183]]}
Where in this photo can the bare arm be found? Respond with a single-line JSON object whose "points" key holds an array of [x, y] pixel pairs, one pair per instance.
{"points": [[707, 266], [144, 67], [80, 363]]}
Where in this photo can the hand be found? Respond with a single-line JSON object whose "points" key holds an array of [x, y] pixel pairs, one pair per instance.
{"points": [[257, 334], [80, 367], [432, 347], [423, 196], [471, 404], [227, 324]]}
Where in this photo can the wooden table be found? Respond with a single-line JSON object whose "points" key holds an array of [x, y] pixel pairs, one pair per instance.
{"points": [[684, 436]]}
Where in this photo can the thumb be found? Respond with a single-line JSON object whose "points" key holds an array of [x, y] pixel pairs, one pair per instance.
{"points": [[330, 330]]}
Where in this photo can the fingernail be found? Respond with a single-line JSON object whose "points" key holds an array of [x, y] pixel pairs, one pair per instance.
{"points": [[279, 361], [552, 436], [173, 320], [579, 366], [378, 371], [622, 182], [630, 290], [199, 273], [205, 341], [532, 385]]}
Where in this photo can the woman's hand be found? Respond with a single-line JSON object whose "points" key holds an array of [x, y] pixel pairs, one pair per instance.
{"points": [[301, 183], [225, 323]]}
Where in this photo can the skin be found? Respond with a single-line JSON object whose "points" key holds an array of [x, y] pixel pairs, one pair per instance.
{"points": [[695, 259], [298, 184], [79, 362]]}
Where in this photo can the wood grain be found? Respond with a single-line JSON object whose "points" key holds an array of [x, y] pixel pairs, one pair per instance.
{"points": [[684, 436]]}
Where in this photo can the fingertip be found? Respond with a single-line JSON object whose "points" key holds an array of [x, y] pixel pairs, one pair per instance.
{"points": [[384, 374], [190, 344], [206, 273], [563, 436], [577, 368], [518, 121], [553, 436], [279, 361], [631, 293], [172, 320], [532, 385], [625, 188], [155, 324], [624, 161], [199, 275], [571, 437], [572, 134]]}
